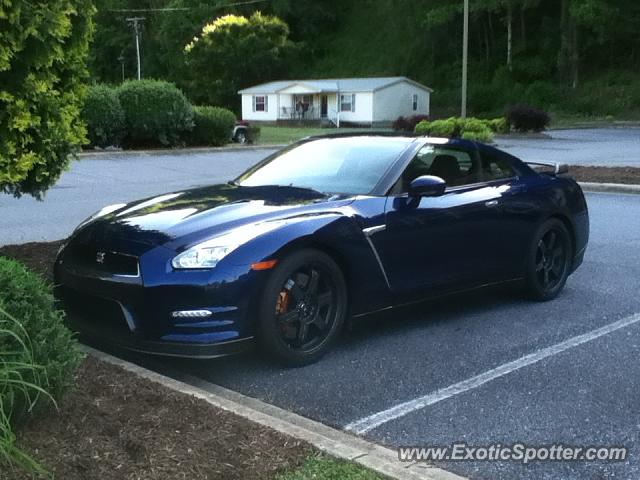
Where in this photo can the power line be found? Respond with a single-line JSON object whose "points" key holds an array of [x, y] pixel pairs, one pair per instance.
{"points": [[183, 9]]}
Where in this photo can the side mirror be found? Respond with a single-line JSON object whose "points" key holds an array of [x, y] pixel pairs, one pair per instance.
{"points": [[427, 186]]}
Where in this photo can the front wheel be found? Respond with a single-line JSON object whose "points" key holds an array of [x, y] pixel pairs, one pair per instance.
{"points": [[303, 308], [549, 261]]}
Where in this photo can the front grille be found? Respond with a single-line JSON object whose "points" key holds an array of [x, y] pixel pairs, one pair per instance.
{"points": [[92, 258], [93, 313]]}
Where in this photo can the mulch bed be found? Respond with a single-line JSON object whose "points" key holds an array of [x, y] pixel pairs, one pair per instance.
{"points": [[115, 425], [627, 175]]}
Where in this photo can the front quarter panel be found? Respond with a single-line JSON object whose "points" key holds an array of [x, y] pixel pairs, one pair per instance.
{"points": [[337, 234]]}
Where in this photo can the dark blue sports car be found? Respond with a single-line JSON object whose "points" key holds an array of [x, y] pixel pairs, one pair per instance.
{"points": [[327, 229]]}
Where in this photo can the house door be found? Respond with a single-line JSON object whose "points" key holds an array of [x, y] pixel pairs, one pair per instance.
{"points": [[324, 106]]}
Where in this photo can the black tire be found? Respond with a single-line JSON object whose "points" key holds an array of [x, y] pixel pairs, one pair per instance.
{"points": [[241, 136], [303, 308], [549, 261]]}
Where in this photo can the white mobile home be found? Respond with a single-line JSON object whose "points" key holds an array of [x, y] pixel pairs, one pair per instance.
{"points": [[370, 101]]}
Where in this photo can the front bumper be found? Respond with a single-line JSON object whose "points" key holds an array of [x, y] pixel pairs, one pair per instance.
{"points": [[136, 312]]}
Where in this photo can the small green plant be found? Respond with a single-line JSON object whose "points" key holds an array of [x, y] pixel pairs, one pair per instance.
{"points": [[156, 113], [213, 126], [25, 296], [104, 117], [22, 377]]}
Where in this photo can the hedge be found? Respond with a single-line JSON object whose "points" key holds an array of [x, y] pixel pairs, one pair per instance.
{"points": [[104, 117], [475, 129], [157, 113], [213, 126]]}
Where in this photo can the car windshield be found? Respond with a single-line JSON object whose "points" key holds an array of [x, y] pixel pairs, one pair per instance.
{"points": [[351, 165]]}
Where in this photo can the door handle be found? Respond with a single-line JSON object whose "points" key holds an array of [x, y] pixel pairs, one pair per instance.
{"points": [[492, 203]]}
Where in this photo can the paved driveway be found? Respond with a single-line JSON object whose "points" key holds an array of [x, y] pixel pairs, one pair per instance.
{"points": [[610, 147], [103, 179]]}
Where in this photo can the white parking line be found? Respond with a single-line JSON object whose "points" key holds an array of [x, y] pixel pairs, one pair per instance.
{"points": [[371, 422]]}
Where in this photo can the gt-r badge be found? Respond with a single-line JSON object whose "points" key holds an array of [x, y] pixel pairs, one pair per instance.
{"points": [[100, 257]]}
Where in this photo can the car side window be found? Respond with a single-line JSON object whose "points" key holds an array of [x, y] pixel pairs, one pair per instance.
{"points": [[495, 167], [456, 167]]}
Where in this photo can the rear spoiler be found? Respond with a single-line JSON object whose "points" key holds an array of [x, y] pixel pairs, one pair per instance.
{"points": [[549, 168]]}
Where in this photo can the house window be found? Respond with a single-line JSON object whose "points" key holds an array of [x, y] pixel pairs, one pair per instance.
{"points": [[348, 102], [260, 103], [415, 102]]}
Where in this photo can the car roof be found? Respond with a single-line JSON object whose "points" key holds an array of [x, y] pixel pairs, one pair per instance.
{"points": [[410, 137]]}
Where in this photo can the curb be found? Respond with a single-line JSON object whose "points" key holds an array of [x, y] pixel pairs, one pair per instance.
{"points": [[178, 151], [593, 187], [334, 442]]}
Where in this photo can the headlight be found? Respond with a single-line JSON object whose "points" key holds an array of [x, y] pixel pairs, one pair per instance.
{"points": [[101, 213], [208, 254]]}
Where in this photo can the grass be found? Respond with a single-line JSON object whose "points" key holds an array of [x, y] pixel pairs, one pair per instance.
{"points": [[273, 135], [323, 468]]}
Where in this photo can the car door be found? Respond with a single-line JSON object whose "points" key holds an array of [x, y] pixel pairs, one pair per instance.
{"points": [[434, 244], [516, 212]]}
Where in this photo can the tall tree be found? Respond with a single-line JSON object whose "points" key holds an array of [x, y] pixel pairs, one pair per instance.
{"points": [[235, 52], [43, 45]]}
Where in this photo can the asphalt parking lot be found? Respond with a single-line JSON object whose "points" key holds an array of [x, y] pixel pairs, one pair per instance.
{"points": [[470, 358], [584, 394]]}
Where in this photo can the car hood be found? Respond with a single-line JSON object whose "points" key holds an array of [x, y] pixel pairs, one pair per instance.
{"points": [[188, 216]]}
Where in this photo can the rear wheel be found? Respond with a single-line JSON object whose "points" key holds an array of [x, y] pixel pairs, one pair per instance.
{"points": [[303, 308], [549, 261]]}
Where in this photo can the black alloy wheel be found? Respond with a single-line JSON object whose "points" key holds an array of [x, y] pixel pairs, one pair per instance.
{"points": [[549, 261], [303, 307]]}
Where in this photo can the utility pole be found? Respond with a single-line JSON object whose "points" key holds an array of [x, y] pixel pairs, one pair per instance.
{"points": [[465, 58], [135, 22]]}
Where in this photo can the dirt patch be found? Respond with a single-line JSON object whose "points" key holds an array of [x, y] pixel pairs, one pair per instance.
{"points": [[37, 256], [626, 175], [114, 425]]}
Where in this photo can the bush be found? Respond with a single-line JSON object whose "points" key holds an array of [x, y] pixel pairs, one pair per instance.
{"points": [[498, 125], [25, 297], [43, 45], [523, 118], [156, 113], [213, 126], [468, 129], [104, 117], [408, 124]]}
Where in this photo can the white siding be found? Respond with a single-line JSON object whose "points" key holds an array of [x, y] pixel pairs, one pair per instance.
{"points": [[364, 108], [270, 115], [397, 100]]}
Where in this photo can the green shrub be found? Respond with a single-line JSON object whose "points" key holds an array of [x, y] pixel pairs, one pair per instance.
{"points": [[26, 297], [468, 129], [156, 113], [43, 45], [104, 116], [498, 125], [213, 126]]}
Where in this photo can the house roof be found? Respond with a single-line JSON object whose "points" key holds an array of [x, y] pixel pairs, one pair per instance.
{"points": [[329, 85]]}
